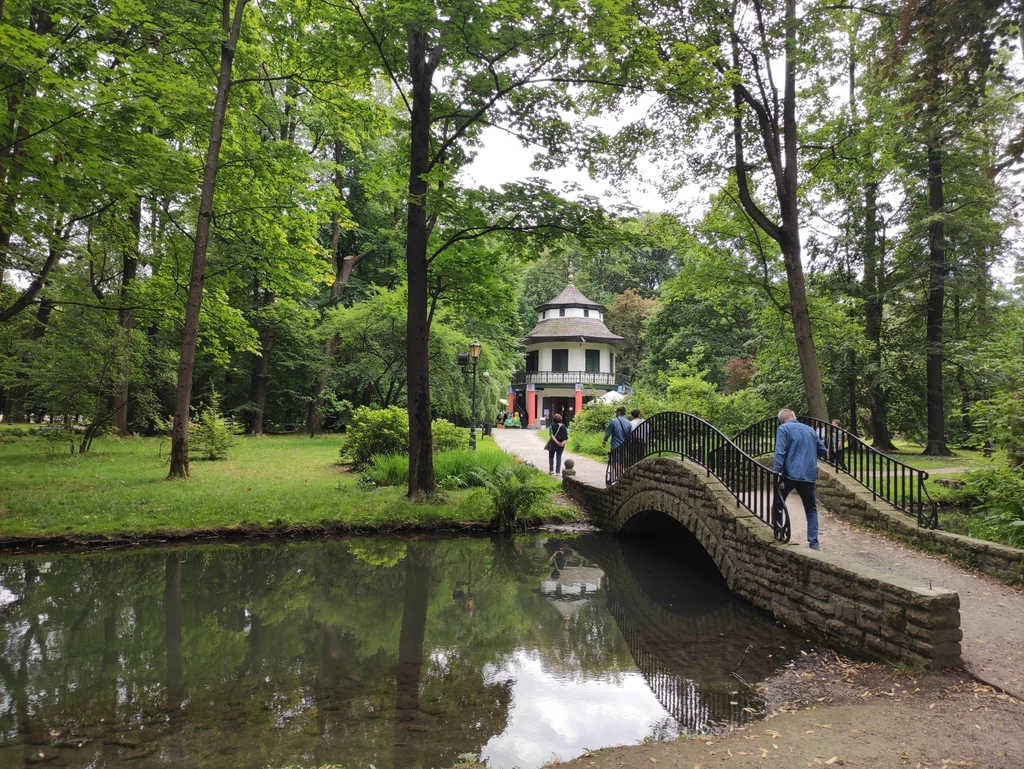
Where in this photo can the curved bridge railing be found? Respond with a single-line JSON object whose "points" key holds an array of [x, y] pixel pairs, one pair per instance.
{"points": [[897, 483], [673, 432]]}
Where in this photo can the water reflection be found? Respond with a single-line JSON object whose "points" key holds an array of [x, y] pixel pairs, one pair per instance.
{"points": [[399, 653]]}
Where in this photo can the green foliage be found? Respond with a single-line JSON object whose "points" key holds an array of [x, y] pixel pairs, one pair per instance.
{"points": [[593, 417], [210, 434], [445, 436], [375, 431], [513, 491], [589, 444], [685, 387], [1000, 419], [452, 469], [996, 497]]}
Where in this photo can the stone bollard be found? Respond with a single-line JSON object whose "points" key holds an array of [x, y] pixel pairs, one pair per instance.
{"points": [[568, 468]]}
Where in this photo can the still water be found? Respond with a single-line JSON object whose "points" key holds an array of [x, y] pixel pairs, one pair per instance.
{"points": [[394, 652]]}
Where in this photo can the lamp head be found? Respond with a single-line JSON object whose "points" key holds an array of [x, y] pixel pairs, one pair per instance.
{"points": [[486, 374], [474, 349]]}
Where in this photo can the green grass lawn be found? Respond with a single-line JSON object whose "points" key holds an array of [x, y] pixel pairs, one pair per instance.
{"points": [[120, 489]]}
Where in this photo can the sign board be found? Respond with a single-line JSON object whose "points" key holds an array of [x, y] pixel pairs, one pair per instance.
{"points": [[511, 391], [547, 412], [579, 388], [531, 388]]}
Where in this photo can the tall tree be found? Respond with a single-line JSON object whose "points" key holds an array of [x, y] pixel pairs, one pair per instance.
{"points": [[505, 64], [231, 29], [943, 56]]}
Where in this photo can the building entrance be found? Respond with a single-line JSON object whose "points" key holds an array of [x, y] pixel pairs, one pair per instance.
{"points": [[559, 405]]}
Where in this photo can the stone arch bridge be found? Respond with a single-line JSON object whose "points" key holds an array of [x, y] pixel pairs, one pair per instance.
{"points": [[714, 491]]}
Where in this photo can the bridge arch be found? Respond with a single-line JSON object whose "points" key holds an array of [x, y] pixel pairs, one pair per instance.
{"points": [[841, 602]]}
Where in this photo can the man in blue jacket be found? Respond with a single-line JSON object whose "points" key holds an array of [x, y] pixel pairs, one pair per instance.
{"points": [[618, 430], [797, 449]]}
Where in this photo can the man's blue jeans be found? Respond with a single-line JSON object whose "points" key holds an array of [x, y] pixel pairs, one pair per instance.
{"points": [[806, 491]]}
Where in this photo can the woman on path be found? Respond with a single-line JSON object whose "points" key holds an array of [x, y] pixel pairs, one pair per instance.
{"points": [[559, 434]]}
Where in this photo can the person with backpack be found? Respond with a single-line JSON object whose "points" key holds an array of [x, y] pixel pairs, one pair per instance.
{"points": [[618, 430], [558, 435]]}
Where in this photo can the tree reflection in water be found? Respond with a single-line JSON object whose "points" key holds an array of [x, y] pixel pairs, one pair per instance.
{"points": [[399, 653]]}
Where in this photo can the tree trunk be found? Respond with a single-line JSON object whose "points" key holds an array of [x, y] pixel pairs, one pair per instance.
{"points": [[409, 669], [422, 64], [784, 167], [172, 635], [187, 360], [790, 208], [14, 410], [936, 304], [874, 302], [126, 316], [261, 372]]}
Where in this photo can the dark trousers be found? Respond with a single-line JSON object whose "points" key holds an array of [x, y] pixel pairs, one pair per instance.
{"points": [[555, 459], [806, 490]]}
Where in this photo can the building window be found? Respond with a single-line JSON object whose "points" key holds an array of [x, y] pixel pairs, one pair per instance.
{"points": [[561, 312], [531, 360], [559, 360], [593, 359], [586, 313]]}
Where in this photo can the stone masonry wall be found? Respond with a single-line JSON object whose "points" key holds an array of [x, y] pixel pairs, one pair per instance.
{"points": [[847, 499], [840, 602]]}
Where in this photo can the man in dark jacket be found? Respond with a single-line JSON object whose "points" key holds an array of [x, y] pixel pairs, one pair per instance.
{"points": [[797, 449]]}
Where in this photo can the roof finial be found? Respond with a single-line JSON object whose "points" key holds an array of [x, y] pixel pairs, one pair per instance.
{"points": [[570, 271]]}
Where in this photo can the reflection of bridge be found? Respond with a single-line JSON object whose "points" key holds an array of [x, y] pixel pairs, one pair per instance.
{"points": [[687, 642]]}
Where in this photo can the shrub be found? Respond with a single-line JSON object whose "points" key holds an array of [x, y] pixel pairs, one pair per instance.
{"points": [[593, 417], [514, 491], [996, 495], [211, 435], [587, 443], [444, 436], [452, 469], [376, 431], [386, 431]]}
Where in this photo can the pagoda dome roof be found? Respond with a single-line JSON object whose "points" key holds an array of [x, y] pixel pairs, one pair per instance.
{"points": [[570, 296], [572, 329]]}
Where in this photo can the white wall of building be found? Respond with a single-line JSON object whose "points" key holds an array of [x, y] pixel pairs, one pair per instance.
{"points": [[577, 355], [570, 312]]}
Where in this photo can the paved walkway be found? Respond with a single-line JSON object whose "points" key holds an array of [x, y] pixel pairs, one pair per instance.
{"points": [[991, 614], [528, 445]]}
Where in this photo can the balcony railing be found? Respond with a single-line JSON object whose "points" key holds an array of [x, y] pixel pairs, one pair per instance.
{"points": [[570, 378]]}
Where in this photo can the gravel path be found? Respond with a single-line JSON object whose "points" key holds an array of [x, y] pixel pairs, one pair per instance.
{"points": [[991, 614]]}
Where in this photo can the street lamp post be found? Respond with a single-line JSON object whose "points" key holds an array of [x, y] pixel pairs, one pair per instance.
{"points": [[474, 353]]}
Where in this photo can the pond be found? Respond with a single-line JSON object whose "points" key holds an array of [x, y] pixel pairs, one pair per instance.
{"points": [[393, 652]]}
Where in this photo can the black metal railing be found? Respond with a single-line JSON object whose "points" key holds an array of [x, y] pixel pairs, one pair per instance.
{"points": [[673, 432], [897, 483], [569, 378]]}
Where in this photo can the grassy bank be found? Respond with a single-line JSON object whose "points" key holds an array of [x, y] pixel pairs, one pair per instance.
{"points": [[275, 482]]}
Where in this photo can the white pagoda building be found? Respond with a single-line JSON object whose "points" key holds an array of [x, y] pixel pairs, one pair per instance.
{"points": [[570, 359]]}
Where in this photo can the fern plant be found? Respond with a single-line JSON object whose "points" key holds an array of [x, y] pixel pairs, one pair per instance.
{"points": [[514, 491]]}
